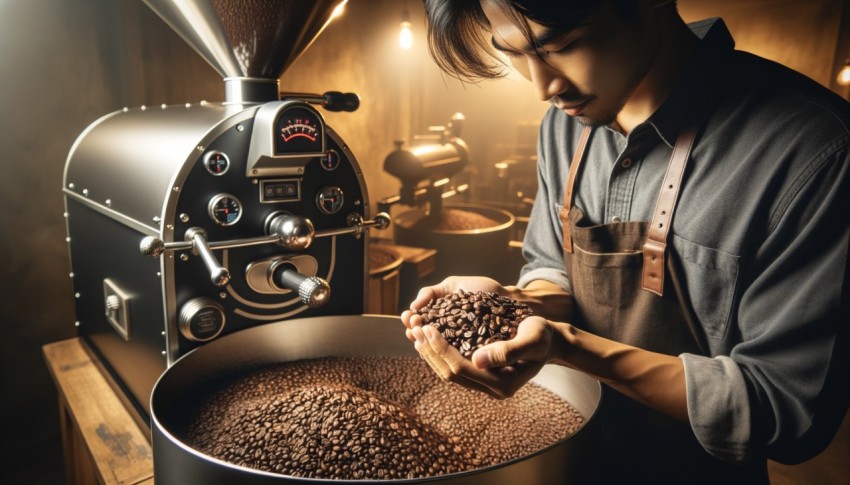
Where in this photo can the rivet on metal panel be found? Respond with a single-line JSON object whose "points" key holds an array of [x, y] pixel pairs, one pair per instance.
{"points": [[163, 106], [157, 219], [76, 295], [163, 353], [203, 102], [184, 217], [176, 188], [170, 227], [67, 239], [77, 324], [71, 275], [357, 202], [255, 172], [143, 107], [200, 148], [222, 295], [86, 192], [71, 186], [108, 202], [184, 257], [188, 105], [162, 333], [126, 109], [65, 215], [240, 128], [255, 181]]}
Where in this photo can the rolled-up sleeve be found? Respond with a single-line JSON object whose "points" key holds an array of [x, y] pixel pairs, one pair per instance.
{"points": [[783, 388], [542, 247]]}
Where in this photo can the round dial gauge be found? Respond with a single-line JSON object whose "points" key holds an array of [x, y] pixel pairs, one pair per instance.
{"points": [[216, 162], [330, 200], [299, 130], [330, 160], [225, 209]]}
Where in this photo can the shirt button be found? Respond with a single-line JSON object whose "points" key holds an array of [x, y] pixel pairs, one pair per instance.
{"points": [[626, 162], [616, 219]]}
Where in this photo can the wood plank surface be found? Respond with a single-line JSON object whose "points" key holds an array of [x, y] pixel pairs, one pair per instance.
{"points": [[100, 437]]}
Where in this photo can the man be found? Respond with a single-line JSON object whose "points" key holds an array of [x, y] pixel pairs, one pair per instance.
{"points": [[688, 243]]}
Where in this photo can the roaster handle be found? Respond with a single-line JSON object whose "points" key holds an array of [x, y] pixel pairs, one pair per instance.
{"points": [[219, 275]]}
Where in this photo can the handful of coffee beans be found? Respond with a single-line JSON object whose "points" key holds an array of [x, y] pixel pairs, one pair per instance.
{"points": [[469, 320]]}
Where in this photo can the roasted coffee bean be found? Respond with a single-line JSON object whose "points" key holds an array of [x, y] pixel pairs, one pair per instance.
{"points": [[371, 418], [487, 317]]}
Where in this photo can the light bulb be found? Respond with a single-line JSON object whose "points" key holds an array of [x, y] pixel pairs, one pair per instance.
{"points": [[405, 36], [844, 75]]}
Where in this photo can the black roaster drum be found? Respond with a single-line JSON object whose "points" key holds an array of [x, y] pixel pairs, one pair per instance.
{"points": [[177, 392]]}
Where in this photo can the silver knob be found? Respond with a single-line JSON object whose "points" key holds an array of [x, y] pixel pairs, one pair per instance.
{"points": [[313, 291], [201, 319], [113, 303], [152, 246], [295, 232]]}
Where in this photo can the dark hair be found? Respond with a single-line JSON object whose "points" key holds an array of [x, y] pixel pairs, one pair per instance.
{"points": [[455, 29]]}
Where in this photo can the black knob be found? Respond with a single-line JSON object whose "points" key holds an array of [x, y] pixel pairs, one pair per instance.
{"points": [[337, 101]]}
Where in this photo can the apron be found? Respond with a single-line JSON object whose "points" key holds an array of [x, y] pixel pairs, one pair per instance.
{"points": [[626, 288]]}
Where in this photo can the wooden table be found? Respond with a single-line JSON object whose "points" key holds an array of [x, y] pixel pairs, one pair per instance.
{"points": [[101, 441]]}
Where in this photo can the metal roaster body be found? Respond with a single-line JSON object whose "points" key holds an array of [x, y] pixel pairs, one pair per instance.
{"points": [[190, 222]]}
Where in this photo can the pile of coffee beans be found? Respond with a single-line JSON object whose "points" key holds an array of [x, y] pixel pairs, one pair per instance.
{"points": [[469, 320], [371, 418], [456, 220]]}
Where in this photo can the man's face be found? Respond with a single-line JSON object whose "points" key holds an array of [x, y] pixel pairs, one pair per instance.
{"points": [[589, 72]]}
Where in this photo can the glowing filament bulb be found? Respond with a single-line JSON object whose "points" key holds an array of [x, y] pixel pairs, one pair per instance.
{"points": [[844, 75], [405, 36]]}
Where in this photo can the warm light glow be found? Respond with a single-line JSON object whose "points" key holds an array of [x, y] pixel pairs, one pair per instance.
{"points": [[844, 75], [405, 36], [339, 10]]}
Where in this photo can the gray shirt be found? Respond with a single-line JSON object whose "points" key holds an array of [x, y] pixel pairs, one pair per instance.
{"points": [[761, 234]]}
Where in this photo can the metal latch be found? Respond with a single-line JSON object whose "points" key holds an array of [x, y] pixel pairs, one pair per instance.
{"points": [[116, 306]]}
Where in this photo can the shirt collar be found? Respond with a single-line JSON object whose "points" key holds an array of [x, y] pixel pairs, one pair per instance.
{"points": [[700, 86]]}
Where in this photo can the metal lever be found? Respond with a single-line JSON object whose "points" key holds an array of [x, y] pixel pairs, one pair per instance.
{"points": [[312, 290], [219, 275], [294, 233], [331, 100], [297, 233], [196, 240]]}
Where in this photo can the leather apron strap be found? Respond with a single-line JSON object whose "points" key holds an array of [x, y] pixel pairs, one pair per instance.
{"points": [[655, 247], [578, 156]]}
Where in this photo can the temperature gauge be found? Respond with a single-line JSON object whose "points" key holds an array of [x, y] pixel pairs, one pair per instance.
{"points": [[216, 162], [330, 200], [299, 130], [225, 209]]}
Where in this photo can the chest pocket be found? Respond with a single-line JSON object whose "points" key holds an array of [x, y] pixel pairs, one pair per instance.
{"points": [[709, 277]]}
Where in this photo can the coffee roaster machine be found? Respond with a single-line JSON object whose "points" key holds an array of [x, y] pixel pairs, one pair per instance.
{"points": [[431, 189], [211, 238], [245, 212]]}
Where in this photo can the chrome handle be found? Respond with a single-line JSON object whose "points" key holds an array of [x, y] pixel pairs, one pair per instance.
{"points": [[219, 275]]}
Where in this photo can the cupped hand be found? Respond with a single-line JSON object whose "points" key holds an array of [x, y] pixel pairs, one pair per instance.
{"points": [[448, 286], [499, 369]]}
